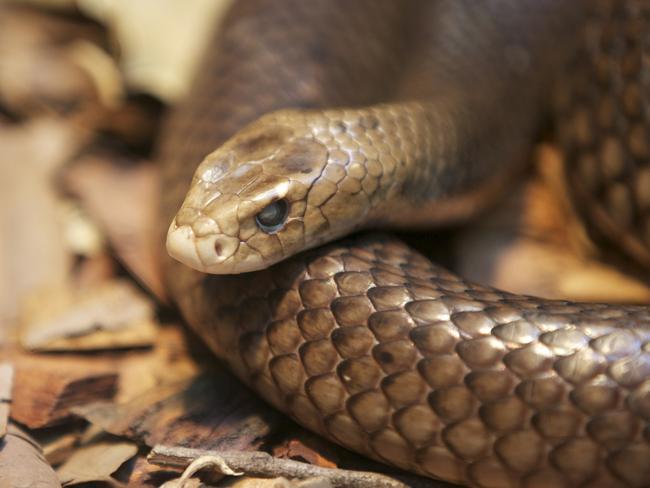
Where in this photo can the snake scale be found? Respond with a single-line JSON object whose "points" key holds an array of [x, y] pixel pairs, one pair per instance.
{"points": [[323, 117]]}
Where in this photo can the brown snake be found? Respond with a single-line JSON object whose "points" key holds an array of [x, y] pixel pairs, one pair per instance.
{"points": [[365, 341]]}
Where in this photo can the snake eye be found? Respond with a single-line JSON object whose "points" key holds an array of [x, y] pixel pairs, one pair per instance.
{"points": [[271, 218]]}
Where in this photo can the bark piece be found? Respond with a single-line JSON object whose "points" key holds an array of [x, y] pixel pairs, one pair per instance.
{"points": [[96, 462], [22, 464], [111, 315], [47, 388], [211, 411]]}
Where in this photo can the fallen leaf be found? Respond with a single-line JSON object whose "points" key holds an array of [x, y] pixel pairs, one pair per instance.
{"points": [[142, 474], [169, 361], [298, 449], [33, 43], [211, 411], [111, 315], [152, 60], [96, 462], [32, 248], [6, 387], [58, 443], [122, 196], [46, 388], [22, 464], [533, 243]]}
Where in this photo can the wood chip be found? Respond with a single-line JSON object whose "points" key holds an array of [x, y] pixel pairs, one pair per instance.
{"points": [[21, 463], [211, 411], [111, 315], [96, 462], [46, 388], [6, 387]]}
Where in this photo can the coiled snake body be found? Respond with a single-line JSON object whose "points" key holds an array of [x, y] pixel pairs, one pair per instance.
{"points": [[405, 114]]}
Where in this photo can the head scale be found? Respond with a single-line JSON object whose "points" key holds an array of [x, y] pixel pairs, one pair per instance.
{"points": [[256, 200]]}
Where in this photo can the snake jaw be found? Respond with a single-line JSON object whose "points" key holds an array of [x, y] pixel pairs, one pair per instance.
{"points": [[208, 254], [180, 245]]}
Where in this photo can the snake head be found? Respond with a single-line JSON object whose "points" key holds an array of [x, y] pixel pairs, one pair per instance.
{"points": [[254, 201]]}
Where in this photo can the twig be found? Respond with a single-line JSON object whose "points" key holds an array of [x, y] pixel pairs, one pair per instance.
{"points": [[261, 464]]}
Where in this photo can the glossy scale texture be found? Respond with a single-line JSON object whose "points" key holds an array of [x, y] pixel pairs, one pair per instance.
{"points": [[367, 342]]}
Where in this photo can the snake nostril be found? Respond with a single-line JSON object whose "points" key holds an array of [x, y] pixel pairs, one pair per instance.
{"points": [[218, 248]]}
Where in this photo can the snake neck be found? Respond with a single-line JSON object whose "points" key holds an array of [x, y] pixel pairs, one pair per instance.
{"points": [[405, 164]]}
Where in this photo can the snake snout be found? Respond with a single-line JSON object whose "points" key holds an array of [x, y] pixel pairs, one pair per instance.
{"points": [[207, 253]]}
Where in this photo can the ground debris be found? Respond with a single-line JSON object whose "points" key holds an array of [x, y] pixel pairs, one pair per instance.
{"points": [[534, 243], [210, 411], [121, 195], [96, 462], [237, 463], [308, 448], [6, 387], [46, 388], [110, 315], [58, 443], [22, 464], [35, 254]]}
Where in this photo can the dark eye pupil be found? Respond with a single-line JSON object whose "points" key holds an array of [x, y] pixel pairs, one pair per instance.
{"points": [[271, 218]]}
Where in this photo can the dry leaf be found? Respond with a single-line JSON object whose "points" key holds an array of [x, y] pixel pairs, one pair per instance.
{"points": [[6, 387], [111, 315], [58, 443], [46, 388], [21, 463], [248, 482], [152, 60], [211, 411], [142, 474], [32, 247], [168, 362], [96, 462], [299, 450], [534, 244], [33, 44], [123, 198]]}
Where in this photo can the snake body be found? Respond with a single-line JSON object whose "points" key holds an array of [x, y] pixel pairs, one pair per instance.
{"points": [[370, 113]]}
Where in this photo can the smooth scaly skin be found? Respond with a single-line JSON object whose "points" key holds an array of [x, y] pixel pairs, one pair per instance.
{"points": [[367, 342]]}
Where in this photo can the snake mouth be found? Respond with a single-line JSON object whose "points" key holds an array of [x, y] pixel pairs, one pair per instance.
{"points": [[180, 246], [208, 254]]}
